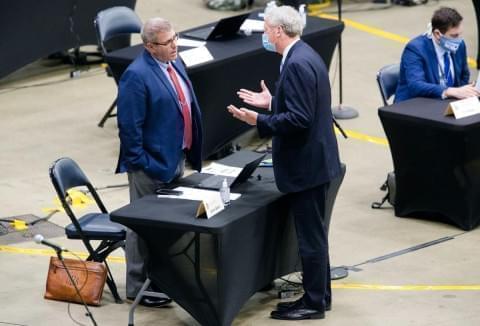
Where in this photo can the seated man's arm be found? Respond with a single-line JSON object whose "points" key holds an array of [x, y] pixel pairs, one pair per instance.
{"points": [[417, 83]]}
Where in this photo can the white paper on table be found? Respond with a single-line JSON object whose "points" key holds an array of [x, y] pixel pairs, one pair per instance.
{"points": [[190, 43], [196, 56], [197, 194], [252, 25], [210, 201], [221, 169]]}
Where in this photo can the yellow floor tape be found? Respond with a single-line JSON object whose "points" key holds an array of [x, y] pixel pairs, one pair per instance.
{"points": [[343, 286], [378, 287], [48, 252], [363, 137], [377, 32]]}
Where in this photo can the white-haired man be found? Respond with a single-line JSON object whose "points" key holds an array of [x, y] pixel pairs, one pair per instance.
{"points": [[159, 126], [301, 126]]}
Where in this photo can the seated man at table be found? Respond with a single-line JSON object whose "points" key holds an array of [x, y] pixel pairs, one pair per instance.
{"points": [[435, 64], [159, 126]]}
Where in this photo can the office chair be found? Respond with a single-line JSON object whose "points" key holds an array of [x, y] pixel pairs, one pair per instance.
{"points": [[65, 175], [387, 79], [113, 23]]}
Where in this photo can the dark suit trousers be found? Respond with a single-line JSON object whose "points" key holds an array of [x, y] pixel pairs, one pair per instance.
{"points": [[308, 210], [136, 252]]}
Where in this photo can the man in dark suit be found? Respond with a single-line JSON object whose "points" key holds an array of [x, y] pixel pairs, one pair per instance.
{"points": [[305, 152], [159, 126], [435, 64]]}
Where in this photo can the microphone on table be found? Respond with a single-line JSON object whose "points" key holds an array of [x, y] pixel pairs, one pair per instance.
{"points": [[41, 240]]}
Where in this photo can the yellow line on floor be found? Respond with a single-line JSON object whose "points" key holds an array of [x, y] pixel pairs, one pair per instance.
{"points": [[363, 137], [48, 252], [345, 286], [377, 32], [379, 287]]}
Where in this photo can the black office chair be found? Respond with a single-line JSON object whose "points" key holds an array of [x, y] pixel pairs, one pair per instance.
{"points": [[114, 23], [387, 79], [65, 175]]}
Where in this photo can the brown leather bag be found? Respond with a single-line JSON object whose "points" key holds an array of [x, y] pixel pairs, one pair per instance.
{"points": [[89, 277]]}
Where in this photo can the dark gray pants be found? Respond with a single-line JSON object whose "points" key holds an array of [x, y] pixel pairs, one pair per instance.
{"points": [[136, 252]]}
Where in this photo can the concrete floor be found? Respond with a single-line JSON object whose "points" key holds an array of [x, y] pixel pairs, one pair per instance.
{"points": [[41, 124]]}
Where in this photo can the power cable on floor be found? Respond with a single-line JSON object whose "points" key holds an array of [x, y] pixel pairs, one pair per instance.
{"points": [[404, 251]]}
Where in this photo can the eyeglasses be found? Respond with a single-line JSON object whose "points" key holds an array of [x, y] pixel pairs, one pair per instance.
{"points": [[168, 42]]}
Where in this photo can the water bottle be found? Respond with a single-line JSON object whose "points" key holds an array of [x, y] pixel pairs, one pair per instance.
{"points": [[270, 5], [303, 14], [225, 193]]}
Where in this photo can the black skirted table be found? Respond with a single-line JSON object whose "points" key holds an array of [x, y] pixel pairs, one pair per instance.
{"points": [[211, 267], [239, 62], [436, 160]]}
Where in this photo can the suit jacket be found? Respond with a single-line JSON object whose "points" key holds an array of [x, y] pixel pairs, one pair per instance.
{"points": [[304, 147], [419, 70], [150, 121]]}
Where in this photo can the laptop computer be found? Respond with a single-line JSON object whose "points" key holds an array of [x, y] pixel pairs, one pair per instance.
{"points": [[224, 27], [215, 181]]}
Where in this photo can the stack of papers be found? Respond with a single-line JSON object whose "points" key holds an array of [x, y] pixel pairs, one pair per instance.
{"points": [[223, 170], [252, 25]]}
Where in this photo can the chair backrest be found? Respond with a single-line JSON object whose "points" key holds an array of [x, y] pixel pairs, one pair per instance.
{"points": [[332, 194], [113, 22], [66, 174], [387, 79]]}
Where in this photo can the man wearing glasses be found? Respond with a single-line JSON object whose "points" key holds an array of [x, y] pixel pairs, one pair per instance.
{"points": [[159, 124]]}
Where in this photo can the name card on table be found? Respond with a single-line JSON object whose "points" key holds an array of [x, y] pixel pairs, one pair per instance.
{"points": [[210, 201], [210, 206], [196, 56], [464, 108]]}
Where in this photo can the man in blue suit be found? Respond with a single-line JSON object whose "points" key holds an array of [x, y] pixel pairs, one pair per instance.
{"points": [[305, 151], [159, 126], [435, 64]]}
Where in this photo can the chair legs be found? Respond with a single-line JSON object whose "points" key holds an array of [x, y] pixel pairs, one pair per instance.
{"points": [[100, 255], [108, 114], [112, 286]]}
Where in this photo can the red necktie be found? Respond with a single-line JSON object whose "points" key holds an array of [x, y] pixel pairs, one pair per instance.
{"points": [[187, 120]]}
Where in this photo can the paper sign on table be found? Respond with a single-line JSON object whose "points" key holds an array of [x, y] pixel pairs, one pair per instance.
{"points": [[196, 56], [463, 108]]}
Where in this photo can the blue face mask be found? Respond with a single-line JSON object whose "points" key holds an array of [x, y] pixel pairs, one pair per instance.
{"points": [[267, 44], [450, 44]]}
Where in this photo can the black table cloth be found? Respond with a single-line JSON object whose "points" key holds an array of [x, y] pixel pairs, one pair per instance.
{"points": [[239, 62], [436, 160], [212, 266]]}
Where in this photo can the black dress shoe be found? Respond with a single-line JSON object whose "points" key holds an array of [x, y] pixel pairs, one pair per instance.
{"points": [[290, 304], [153, 302], [298, 312]]}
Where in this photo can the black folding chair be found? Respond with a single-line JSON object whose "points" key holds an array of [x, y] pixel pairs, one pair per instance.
{"points": [[387, 79], [111, 24], [65, 175]]}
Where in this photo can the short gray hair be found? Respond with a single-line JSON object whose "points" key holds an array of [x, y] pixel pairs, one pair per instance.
{"points": [[286, 17], [152, 27]]}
